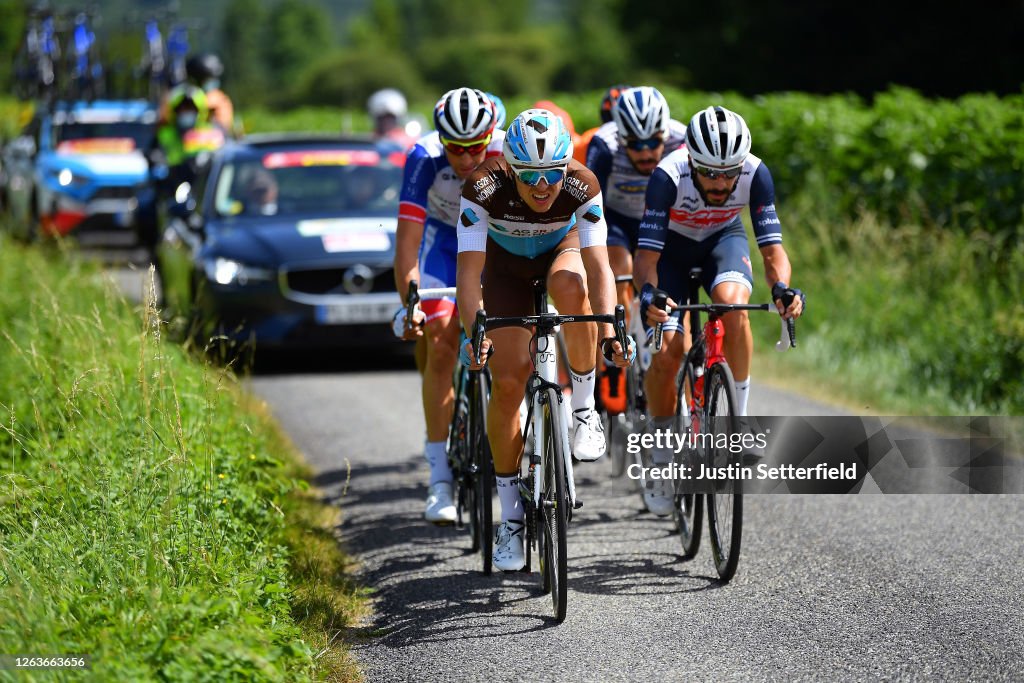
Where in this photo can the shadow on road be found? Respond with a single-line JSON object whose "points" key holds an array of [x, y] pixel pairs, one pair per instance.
{"points": [[427, 581]]}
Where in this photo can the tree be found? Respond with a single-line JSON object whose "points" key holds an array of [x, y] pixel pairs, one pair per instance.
{"points": [[299, 34], [243, 38]]}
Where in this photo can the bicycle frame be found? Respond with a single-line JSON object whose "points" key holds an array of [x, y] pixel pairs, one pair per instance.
{"points": [[543, 386]]}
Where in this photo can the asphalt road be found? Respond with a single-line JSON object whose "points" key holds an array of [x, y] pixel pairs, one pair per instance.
{"points": [[857, 587]]}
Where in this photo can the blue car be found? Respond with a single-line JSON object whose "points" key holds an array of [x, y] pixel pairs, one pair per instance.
{"points": [[285, 241], [81, 167]]}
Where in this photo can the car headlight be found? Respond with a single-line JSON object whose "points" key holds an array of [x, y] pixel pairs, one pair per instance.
{"points": [[66, 178], [228, 272]]}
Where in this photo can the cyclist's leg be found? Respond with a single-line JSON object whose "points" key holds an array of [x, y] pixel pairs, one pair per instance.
{"points": [[441, 338], [679, 255], [507, 290], [567, 284], [730, 280]]}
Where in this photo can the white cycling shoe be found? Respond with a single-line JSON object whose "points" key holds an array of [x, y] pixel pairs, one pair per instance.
{"points": [[588, 442], [440, 508], [509, 546], [659, 494]]}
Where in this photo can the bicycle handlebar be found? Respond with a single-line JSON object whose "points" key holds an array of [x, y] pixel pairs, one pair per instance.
{"points": [[787, 338], [548, 321]]}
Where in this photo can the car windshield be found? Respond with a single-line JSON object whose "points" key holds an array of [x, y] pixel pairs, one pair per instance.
{"points": [[341, 182], [135, 134]]}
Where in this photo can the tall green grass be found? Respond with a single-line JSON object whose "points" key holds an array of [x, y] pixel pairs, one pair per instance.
{"points": [[149, 516], [903, 320]]}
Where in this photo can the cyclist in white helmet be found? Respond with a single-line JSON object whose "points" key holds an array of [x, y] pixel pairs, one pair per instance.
{"points": [[534, 212], [692, 219], [622, 154], [425, 250], [387, 109]]}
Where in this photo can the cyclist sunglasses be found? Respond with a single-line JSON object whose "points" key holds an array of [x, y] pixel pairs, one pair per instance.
{"points": [[712, 174], [472, 147], [638, 145], [532, 177]]}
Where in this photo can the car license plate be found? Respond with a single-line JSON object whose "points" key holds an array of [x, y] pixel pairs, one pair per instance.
{"points": [[355, 312]]}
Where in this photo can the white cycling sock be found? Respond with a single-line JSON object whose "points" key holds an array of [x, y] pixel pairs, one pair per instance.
{"points": [[582, 390], [437, 457], [742, 394], [508, 494]]}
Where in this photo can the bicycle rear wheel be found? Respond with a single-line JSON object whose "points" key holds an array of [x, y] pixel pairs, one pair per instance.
{"points": [[481, 511], [688, 512], [554, 510], [725, 503]]}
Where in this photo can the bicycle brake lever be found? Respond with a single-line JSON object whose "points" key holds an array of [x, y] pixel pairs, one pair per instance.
{"points": [[787, 337]]}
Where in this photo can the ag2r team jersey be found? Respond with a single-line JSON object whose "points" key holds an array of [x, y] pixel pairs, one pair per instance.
{"points": [[674, 204], [430, 189], [622, 185], [491, 206]]}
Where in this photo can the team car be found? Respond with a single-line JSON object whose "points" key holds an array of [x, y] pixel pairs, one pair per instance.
{"points": [[80, 167], [285, 241]]}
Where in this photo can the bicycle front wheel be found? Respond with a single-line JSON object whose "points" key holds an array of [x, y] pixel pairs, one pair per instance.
{"points": [[483, 484], [688, 512], [725, 502], [554, 509]]}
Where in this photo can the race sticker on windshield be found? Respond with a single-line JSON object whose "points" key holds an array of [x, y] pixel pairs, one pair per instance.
{"points": [[356, 241], [97, 146], [322, 157], [315, 227]]}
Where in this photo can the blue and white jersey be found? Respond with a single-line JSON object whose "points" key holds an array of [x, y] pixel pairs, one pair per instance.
{"points": [[491, 206], [673, 203], [431, 191], [623, 187]]}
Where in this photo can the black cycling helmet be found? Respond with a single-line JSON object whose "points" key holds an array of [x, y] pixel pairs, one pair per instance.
{"points": [[204, 66]]}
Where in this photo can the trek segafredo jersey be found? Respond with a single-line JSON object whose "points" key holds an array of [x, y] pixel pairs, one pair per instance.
{"points": [[673, 203], [430, 189], [622, 185], [491, 206]]}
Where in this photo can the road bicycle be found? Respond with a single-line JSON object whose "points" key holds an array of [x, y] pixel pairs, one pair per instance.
{"points": [[706, 412], [86, 79], [469, 452], [548, 488], [37, 60]]}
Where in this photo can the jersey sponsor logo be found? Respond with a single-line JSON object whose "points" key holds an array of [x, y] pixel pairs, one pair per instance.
{"points": [[705, 218], [655, 213], [469, 218], [768, 220], [766, 207], [631, 187], [577, 188], [593, 214]]}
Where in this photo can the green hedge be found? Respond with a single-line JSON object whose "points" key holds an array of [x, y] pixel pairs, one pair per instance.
{"points": [[903, 157]]}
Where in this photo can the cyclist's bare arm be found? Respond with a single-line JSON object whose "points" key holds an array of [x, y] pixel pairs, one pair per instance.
{"points": [[408, 236], [645, 270], [778, 269], [469, 295], [600, 285]]}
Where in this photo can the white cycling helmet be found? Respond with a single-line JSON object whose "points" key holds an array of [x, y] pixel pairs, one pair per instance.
{"points": [[718, 138], [385, 102], [641, 113], [537, 138], [464, 114]]}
